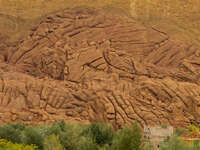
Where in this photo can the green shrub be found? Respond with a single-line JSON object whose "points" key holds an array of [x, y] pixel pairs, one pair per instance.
{"points": [[101, 133], [12, 132], [31, 135], [71, 135], [179, 132], [56, 128], [128, 138], [6, 145], [52, 142], [196, 145], [53, 129], [20, 126], [86, 143], [105, 147], [147, 146], [43, 130], [173, 143], [164, 126], [193, 128]]}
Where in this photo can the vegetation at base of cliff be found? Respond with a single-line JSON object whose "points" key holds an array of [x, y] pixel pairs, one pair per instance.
{"points": [[175, 143], [74, 136], [6, 145], [193, 128]]}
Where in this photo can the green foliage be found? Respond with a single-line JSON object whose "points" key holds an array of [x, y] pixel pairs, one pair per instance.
{"points": [[179, 132], [69, 133], [128, 138], [193, 128], [43, 130], [101, 133], [6, 145], [74, 136], [147, 146], [196, 145], [105, 147], [12, 132], [52, 142], [173, 143], [70, 136], [86, 143], [164, 126], [56, 128], [31, 135]]}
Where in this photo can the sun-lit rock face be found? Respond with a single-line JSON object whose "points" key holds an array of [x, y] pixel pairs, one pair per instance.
{"points": [[87, 65], [179, 18], [165, 8], [17, 16]]}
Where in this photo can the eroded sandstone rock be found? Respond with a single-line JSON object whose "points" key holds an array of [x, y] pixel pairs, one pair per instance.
{"points": [[85, 65]]}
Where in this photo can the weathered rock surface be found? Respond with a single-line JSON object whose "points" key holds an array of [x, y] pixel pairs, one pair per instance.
{"points": [[86, 65]]}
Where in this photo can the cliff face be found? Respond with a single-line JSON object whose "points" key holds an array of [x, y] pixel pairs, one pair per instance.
{"points": [[175, 9], [88, 65], [179, 17]]}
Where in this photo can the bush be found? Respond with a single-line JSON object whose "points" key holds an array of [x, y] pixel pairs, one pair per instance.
{"points": [[128, 138], [193, 128], [105, 147], [5, 145], [179, 132], [173, 143], [31, 135], [43, 130], [148, 146], [164, 126], [52, 142], [71, 135], [196, 145], [12, 132], [56, 128], [101, 133], [74, 136], [86, 143], [53, 129]]}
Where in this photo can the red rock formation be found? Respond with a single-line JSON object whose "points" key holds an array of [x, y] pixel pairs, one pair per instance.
{"points": [[87, 65]]}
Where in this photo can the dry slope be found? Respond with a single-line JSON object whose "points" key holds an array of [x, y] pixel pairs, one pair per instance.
{"points": [[87, 65]]}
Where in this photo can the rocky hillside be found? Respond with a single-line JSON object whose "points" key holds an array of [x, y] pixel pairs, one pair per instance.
{"points": [[176, 17], [91, 65]]}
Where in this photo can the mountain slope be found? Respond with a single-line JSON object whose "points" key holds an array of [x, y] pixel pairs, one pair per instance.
{"points": [[92, 65]]}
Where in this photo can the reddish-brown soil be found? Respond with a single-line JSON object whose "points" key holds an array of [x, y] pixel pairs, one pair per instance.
{"points": [[87, 65]]}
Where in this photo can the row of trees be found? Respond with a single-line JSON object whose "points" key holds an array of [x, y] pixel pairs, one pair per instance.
{"points": [[74, 136]]}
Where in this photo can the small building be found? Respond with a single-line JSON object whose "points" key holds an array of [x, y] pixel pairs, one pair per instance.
{"points": [[156, 134]]}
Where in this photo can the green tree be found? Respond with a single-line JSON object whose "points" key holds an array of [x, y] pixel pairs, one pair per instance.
{"points": [[173, 143], [101, 133], [6, 145], [12, 132], [52, 142], [128, 138], [31, 135]]}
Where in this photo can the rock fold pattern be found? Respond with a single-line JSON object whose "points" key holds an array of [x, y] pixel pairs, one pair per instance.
{"points": [[89, 65]]}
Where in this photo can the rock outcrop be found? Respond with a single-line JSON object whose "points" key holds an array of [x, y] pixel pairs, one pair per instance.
{"points": [[87, 65]]}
